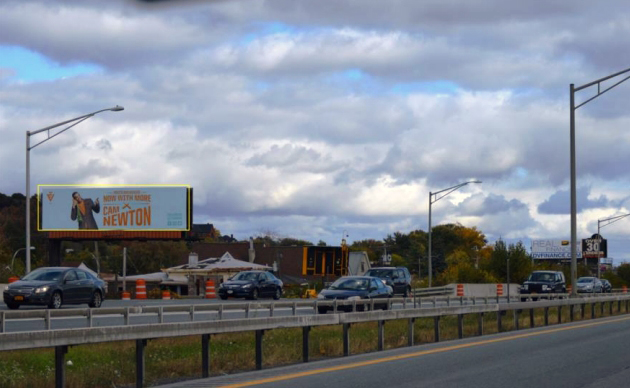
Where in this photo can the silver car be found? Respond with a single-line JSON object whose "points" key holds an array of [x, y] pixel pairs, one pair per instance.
{"points": [[589, 284]]}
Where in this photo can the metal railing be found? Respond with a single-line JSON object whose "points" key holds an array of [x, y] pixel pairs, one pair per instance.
{"points": [[62, 338]]}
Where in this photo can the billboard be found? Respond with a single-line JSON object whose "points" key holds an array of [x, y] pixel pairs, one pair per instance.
{"points": [[114, 207], [596, 246], [554, 249]]}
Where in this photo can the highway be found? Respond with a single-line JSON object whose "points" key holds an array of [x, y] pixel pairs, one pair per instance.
{"points": [[588, 354]]}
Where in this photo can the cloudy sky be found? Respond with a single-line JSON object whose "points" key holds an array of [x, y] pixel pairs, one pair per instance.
{"points": [[307, 118]]}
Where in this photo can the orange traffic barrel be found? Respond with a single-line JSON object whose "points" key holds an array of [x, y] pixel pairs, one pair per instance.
{"points": [[624, 289], [126, 295], [141, 289], [460, 290], [499, 289], [210, 293], [13, 279], [166, 295], [569, 289]]}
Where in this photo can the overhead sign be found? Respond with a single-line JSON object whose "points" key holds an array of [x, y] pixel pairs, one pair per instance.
{"points": [[129, 207], [596, 246], [554, 249]]}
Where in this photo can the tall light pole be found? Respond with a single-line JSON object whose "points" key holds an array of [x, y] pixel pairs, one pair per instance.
{"points": [[608, 221], [573, 108], [446, 192], [72, 123]]}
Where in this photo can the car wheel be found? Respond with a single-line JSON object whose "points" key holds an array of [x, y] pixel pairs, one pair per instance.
{"points": [[97, 300], [13, 306], [322, 310], [55, 301], [278, 294], [254, 294]]}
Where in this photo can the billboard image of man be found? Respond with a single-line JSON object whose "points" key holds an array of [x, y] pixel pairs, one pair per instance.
{"points": [[82, 211]]}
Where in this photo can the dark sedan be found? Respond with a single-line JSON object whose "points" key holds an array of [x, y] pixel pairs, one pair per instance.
{"points": [[355, 288], [251, 285], [55, 286]]}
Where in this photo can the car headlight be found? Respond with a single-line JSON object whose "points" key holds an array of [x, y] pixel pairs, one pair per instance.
{"points": [[354, 298], [320, 296], [247, 286], [42, 289], [588, 286]]}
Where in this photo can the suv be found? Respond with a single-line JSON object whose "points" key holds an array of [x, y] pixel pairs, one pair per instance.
{"points": [[544, 282], [398, 278]]}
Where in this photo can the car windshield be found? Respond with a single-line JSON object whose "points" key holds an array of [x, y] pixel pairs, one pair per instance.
{"points": [[541, 277], [246, 276], [44, 274], [380, 273], [586, 280], [350, 284]]}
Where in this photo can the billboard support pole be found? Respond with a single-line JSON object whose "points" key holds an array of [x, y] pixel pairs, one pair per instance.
{"points": [[124, 269], [72, 122]]}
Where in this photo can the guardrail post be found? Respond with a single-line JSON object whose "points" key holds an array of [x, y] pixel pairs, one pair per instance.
{"points": [[434, 302], [221, 312], [531, 318], [461, 300], [592, 310], [192, 313], [610, 308], [271, 308], [414, 299], [47, 320], [126, 316], [601, 306], [160, 315], [460, 326], [140, 345], [546, 316], [571, 313], [305, 343], [626, 305], [89, 317], [381, 335], [404, 303], [410, 331], [372, 305], [619, 306], [499, 328], [2, 322], [259, 337], [436, 328], [346, 339], [354, 306], [205, 355], [582, 310], [294, 309], [480, 324], [247, 307], [60, 366], [448, 300], [335, 306], [559, 314], [516, 317]]}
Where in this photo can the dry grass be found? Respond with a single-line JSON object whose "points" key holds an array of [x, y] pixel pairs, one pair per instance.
{"points": [[113, 364]]}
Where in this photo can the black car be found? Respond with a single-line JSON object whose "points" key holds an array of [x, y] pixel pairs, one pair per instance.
{"points": [[398, 278], [544, 282], [55, 286], [354, 288], [251, 285], [606, 286]]}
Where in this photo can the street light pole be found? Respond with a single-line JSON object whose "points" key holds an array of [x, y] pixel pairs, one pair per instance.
{"points": [[573, 108], [15, 254], [610, 220], [446, 192], [72, 123]]}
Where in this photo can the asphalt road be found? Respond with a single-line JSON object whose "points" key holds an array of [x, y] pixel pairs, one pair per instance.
{"points": [[588, 354]]}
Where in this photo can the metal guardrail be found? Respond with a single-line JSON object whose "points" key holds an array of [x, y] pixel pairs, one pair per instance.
{"points": [[420, 292], [62, 338]]}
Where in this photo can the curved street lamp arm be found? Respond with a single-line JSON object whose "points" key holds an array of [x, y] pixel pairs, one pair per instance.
{"points": [[598, 83], [610, 220], [450, 190]]}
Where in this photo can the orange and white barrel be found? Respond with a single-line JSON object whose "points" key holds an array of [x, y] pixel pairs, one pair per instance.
{"points": [[166, 295], [210, 292], [126, 295], [141, 289], [460, 290], [499, 289], [13, 279], [624, 289]]}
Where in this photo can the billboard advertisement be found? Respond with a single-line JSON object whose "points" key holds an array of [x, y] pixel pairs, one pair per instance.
{"points": [[113, 207], [594, 247], [554, 249]]}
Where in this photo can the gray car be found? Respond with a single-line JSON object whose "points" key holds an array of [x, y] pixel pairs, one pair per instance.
{"points": [[54, 286], [589, 284]]}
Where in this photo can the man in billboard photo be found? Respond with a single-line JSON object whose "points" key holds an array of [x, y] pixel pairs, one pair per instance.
{"points": [[82, 211]]}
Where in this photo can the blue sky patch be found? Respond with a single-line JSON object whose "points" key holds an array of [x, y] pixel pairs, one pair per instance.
{"points": [[30, 66], [442, 87]]}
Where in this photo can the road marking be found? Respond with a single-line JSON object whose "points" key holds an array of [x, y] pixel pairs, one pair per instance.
{"points": [[417, 354]]}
